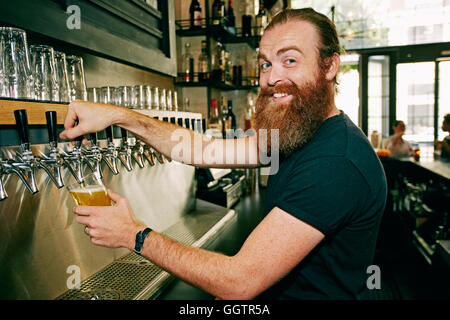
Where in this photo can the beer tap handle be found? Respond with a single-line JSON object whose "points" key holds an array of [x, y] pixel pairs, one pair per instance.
{"points": [[124, 134], [22, 126], [51, 127], [78, 142], [109, 134], [93, 137]]}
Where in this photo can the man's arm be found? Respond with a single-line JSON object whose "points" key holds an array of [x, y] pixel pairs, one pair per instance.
{"points": [[274, 248], [173, 141]]}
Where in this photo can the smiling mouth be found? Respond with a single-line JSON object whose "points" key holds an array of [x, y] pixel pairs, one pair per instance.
{"points": [[281, 97]]}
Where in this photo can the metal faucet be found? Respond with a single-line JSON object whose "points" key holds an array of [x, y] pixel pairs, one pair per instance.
{"points": [[125, 151], [3, 194], [110, 154], [53, 162], [137, 152], [94, 156], [26, 164], [75, 160]]}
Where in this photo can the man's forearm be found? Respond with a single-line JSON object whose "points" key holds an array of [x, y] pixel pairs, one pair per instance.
{"points": [[188, 146], [215, 273]]}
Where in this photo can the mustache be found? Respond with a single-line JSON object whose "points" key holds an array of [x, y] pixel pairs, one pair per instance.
{"points": [[288, 88]]}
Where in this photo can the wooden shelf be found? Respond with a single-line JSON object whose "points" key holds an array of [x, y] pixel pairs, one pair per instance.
{"points": [[35, 111]]}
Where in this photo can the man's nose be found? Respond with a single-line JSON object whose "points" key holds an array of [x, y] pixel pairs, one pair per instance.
{"points": [[276, 75]]}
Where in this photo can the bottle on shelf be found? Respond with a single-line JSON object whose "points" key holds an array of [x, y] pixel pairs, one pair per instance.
{"points": [[226, 123], [262, 19], [228, 68], [231, 115], [187, 64], [231, 18], [249, 112], [203, 74], [214, 121], [218, 64], [195, 11], [218, 12]]}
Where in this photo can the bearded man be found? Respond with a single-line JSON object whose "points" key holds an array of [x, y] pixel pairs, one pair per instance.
{"points": [[323, 206]]}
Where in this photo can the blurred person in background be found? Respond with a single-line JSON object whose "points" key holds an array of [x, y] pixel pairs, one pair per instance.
{"points": [[444, 145], [396, 144]]}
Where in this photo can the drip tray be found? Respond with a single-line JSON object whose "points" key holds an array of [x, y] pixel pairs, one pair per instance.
{"points": [[134, 277]]}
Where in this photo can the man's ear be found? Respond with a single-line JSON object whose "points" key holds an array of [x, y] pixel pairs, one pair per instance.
{"points": [[333, 64]]}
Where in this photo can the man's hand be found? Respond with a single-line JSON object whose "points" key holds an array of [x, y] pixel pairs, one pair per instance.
{"points": [[85, 117], [113, 226]]}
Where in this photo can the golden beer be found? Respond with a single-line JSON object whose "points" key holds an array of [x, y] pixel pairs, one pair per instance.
{"points": [[90, 196]]}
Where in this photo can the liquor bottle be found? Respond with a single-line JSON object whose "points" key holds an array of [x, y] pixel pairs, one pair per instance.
{"points": [[249, 112], [261, 19], [216, 74], [226, 124], [203, 74], [231, 18], [231, 115], [228, 68], [218, 12], [195, 11], [188, 64], [214, 121]]}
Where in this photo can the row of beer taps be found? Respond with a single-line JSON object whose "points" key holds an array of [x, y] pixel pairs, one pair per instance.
{"points": [[25, 164]]}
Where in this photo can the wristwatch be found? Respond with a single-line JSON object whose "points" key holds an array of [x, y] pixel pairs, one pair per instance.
{"points": [[140, 238]]}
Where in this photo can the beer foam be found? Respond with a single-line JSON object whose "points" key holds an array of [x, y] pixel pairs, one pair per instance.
{"points": [[89, 189]]}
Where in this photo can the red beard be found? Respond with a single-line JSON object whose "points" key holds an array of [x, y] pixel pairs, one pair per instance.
{"points": [[296, 121]]}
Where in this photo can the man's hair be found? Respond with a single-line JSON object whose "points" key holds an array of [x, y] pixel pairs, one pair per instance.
{"points": [[447, 118], [328, 36]]}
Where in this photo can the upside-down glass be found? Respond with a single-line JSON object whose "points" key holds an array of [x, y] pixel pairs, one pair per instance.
{"points": [[90, 192], [155, 98], [16, 59], [94, 94], [108, 95], [44, 74], [77, 82], [169, 100], [4, 87], [62, 76], [175, 101], [163, 100], [147, 97]]}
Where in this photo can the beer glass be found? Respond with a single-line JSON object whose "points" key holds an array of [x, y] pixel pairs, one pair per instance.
{"points": [[107, 95], [90, 192], [94, 94], [62, 77], [163, 100], [16, 61], [147, 97], [155, 98], [175, 101], [77, 82], [43, 66], [169, 100]]}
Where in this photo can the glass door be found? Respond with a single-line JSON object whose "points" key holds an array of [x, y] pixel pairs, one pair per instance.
{"points": [[444, 96], [378, 94], [416, 103]]}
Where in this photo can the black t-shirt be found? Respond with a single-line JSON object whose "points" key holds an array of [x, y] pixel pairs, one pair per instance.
{"points": [[336, 184]]}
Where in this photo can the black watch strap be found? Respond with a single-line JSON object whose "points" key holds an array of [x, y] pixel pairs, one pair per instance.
{"points": [[140, 238]]}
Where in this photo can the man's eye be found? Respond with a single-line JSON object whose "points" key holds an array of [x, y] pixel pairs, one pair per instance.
{"points": [[290, 61], [265, 65]]}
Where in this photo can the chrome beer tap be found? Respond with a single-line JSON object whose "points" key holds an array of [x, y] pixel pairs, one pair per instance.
{"points": [[26, 164], [75, 160], [53, 162], [137, 152], [125, 151], [110, 154], [94, 156], [3, 172]]}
